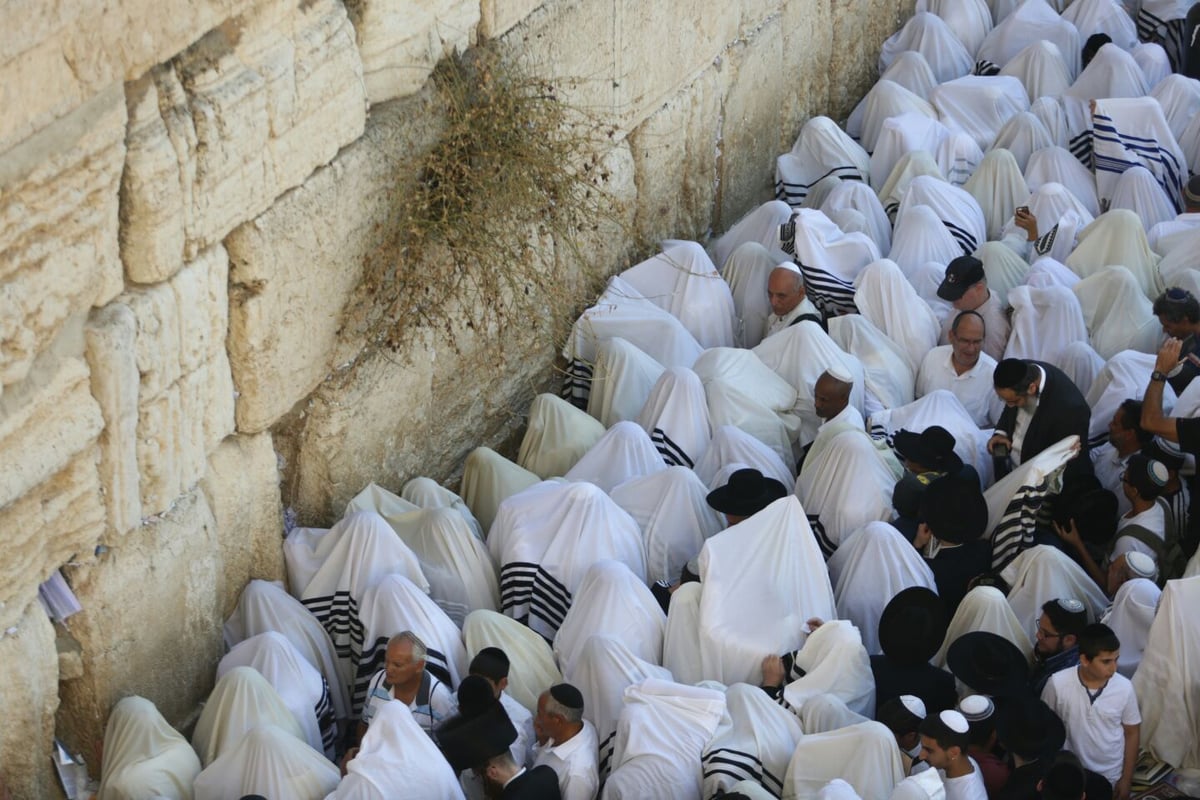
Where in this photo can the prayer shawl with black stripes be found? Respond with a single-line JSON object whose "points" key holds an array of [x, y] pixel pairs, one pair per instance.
{"points": [[754, 742], [1015, 503], [1132, 132], [829, 259]]}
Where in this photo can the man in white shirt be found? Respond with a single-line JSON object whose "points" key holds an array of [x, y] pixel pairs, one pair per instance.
{"points": [[567, 743], [789, 299], [964, 369], [944, 741], [965, 286], [1099, 709], [405, 678], [1142, 529], [1125, 437]]}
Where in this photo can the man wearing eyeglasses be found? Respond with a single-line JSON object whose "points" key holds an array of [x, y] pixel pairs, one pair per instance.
{"points": [[1178, 313], [1056, 647]]}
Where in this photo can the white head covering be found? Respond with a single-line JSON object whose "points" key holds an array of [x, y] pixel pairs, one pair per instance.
{"points": [[829, 258], [269, 762], [912, 71], [955, 207], [863, 755], [868, 570], [622, 379], [835, 663], [1131, 617], [1117, 238], [821, 150], [241, 700], [979, 105], [902, 134], [1179, 97], [911, 166], [681, 642], [1111, 73], [889, 379], [1055, 207], [970, 20], [1041, 68], [743, 368], [1153, 60], [1052, 114], [1022, 136], [930, 36], [886, 99], [488, 480], [731, 445], [736, 404], [1138, 191], [958, 157], [532, 661], [773, 561], [920, 238], [926, 279], [265, 606], [1124, 376], [611, 601], [1044, 573], [886, 298], [1118, 316], [747, 271], [1046, 271], [1004, 269], [143, 755], [760, 225], [1102, 16], [1081, 364], [1133, 131], [683, 281], [1057, 165], [394, 757], [557, 437], [985, 608], [753, 743], [999, 187], [676, 417], [428, 493], [1044, 320], [1031, 21], [822, 713], [939, 407], [1165, 685], [624, 452], [858, 196]]}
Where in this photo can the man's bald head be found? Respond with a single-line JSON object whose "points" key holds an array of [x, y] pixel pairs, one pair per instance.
{"points": [[830, 396], [785, 289]]}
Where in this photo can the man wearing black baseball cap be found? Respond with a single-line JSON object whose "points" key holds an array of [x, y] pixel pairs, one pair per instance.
{"points": [[965, 286]]}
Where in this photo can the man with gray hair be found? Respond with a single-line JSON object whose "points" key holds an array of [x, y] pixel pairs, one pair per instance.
{"points": [[567, 743], [405, 678], [789, 299]]}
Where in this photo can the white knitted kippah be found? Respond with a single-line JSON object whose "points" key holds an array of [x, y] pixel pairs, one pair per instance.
{"points": [[976, 707], [914, 704], [954, 721]]}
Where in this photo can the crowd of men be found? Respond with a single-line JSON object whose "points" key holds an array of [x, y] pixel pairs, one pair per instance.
{"points": [[886, 495]]}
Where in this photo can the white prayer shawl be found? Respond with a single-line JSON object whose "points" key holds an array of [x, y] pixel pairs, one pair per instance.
{"points": [[603, 670], [669, 721], [268, 762], [144, 756], [1118, 316], [1005, 270], [298, 683], [544, 540], [731, 445], [979, 105], [1163, 22], [1060, 216], [394, 605], [858, 196], [557, 437], [921, 238], [533, 668], [939, 407], [1189, 143], [300, 556], [621, 311], [1179, 97], [428, 493], [1050, 111], [868, 570], [1165, 683], [1031, 21], [1044, 573], [1177, 267], [1041, 69], [1015, 501], [829, 259], [611, 601], [958, 157], [1022, 136], [1112, 73], [622, 379], [683, 281], [1138, 191], [1154, 61], [730, 405], [1117, 238], [822, 713], [760, 225], [911, 166], [902, 134], [762, 579], [488, 480], [753, 743], [681, 641], [1131, 617], [886, 298], [1125, 376], [1046, 271], [241, 699], [675, 518], [1131, 131], [1102, 16], [885, 100], [822, 150], [924, 785], [396, 756], [747, 271], [863, 755], [1081, 364], [955, 207], [265, 606], [970, 20], [887, 375], [1044, 320], [929, 35], [624, 452], [821, 189], [835, 663], [999, 187], [676, 417], [743, 368], [985, 608], [926, 279], [912, 71], [1057, 165]]}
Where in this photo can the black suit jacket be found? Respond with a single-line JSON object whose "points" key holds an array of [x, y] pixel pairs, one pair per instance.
{"points": [[1061, 412], [539, 783]]}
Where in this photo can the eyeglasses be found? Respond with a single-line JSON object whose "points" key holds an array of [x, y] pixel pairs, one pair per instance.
{"points": [[1045, 634]]}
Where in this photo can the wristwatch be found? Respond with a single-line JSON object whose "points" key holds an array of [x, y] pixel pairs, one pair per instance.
{"points": [[1158, 375]]}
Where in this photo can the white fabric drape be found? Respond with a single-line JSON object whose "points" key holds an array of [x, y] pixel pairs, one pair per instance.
{"points": [[863, 755], [1057, 165], [829, 259], [970, 20], [242, 699], [1117, 238], [858, 196], [676, 417], [958, 157], [532, 662], [747, 271], [911, 166], [731, 445], [1137, 190], [1041, 69], [940, 407], [760, 225], [890, 302], [754, 742], [144, 756], [979, 105], [1154, 62], [1031, 21], [985, 608], [1132, 131], [886, 99], [921, 238], [733, 404], [955, 207], [888, 378], [1014, 502], [929, 35], [622, 378], [902, 134], [1165, 682], [1102, 16], [1131, 617], [1179, 97], [1111, 73], [682, 281], [488, 480], [1044, 319], [1005, 270], [1118, 316], [822, 713], [611, 601], [821, 150], [1051, 113], [623, 453], [912, 71], [1043, 573], [1125, 375], [269, 762], [428, 493], [557, 436], [999, 187], [835, 663]]}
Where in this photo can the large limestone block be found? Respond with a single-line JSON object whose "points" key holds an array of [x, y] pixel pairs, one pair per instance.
{"points": [[621, 60], [55, 56], [29, 699], [496, 17], [237, 119], [58, 227], [150, 625], [293, 269], [401, 41], [242, 488], [859, 30], [111, 355]]}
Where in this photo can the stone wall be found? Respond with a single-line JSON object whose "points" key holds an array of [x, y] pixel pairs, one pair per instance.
{"points": [[188, 193]]}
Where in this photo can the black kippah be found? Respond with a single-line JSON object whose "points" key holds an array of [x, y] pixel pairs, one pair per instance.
{"points": [[475, 695], [490, 662], [1010, 373], [567, 696]]}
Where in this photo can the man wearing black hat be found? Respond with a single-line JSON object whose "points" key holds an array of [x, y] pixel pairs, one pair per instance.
{"points": [[1042, 407], [911, 629], [492, 664], [965, 286], [989, 664], [567, 743], [927, 456], [954, 518], [1031, 733]]}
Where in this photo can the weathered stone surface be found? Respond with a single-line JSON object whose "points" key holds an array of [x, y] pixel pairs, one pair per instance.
{"points": [[55, 55], [859, 29], [401, 41], [29, 698], [242, 488], [58, 225], [150, 625], [496, 17], [293, 269], [243, 115], [111, 355]]}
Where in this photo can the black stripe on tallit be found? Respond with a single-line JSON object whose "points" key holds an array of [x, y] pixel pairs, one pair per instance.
{"points": [[823, 541], [672, 453]]}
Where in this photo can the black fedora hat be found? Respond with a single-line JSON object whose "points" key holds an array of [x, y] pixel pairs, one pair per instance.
{"points": [[1029, 728], [912, 626], [932, 448], [747, 492], [954, 508], [468, 741], [989, 664]]}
